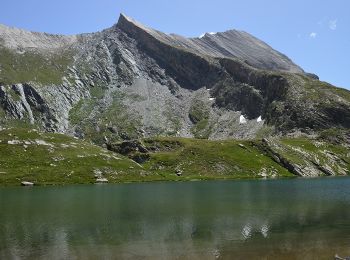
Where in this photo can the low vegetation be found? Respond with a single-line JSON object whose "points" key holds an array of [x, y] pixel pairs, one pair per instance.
{"points": [[46, 159], [31, 66]]}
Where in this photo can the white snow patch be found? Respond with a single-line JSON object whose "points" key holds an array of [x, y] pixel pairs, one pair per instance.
{"points": [[204, 34], [259, 119], [242, 120], [211, 99]]}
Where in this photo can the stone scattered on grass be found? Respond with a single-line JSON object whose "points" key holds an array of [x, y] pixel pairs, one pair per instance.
{"points": [[178, 172], [101, 180], [27, 183], [98, 173], [242, 146], [12, 142], [42, 142]]}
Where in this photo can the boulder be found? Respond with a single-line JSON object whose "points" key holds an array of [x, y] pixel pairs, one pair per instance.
{"points": [[27, 183], [101, 180]]}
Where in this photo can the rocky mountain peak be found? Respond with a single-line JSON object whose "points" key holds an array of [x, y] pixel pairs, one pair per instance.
{"points": [[230, 44]]}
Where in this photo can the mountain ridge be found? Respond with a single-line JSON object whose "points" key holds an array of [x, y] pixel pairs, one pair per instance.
{"points": [[161, 85], [221, 49], [178, 108]]}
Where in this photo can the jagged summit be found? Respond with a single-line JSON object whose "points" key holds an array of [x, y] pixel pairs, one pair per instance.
{"points": [[231, 44]]}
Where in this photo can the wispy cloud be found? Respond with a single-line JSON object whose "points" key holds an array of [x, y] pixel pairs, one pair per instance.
{"points": [[332, 24], [313, 35]]}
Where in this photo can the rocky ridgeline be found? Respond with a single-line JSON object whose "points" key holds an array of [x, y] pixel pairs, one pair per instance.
{"points": [[131, 81]]}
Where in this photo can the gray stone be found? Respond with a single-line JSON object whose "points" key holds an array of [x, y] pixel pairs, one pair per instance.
{"points": [[101, 180], [27, 183]]}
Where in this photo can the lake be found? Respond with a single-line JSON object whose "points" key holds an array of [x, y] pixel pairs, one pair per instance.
{"points": [[256, 219]]}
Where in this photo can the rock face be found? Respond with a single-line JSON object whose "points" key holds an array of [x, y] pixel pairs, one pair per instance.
{"points": [[131, 81], [229, 44]]}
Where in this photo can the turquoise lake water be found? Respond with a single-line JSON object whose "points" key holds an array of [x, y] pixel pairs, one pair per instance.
{"points": [[259, 219]]}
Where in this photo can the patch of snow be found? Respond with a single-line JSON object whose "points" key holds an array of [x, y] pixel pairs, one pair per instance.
{"points": [[204, 34], [259, 119], [211, 99], [242, 119]]}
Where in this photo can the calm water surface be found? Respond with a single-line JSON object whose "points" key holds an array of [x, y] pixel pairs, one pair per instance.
{"points": [[276, 219]]}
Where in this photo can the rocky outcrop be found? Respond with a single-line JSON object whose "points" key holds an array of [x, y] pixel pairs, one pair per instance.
{"points": [[46, 106], [303, 162], [135, 150]]}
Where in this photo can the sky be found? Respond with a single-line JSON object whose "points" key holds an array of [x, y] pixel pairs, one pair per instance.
{"points": [[315, 34]]}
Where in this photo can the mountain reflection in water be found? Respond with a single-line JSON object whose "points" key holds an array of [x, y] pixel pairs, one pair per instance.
{"points": [[278, 219]]}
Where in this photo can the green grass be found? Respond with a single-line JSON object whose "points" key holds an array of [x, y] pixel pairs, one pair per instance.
{"points": [[56, 159], [33, 66], [203, 159], [315, 90], [198, 111], [47, 158], [199, 115], [116, 115]]}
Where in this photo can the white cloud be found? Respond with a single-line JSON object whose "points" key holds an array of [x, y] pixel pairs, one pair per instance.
{"points": [[313, 35], [332, 24]]}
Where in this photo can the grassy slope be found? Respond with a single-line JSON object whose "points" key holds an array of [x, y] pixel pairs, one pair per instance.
{"points": [[33, 67], [61, 159], [28, 155], [203, 159]]}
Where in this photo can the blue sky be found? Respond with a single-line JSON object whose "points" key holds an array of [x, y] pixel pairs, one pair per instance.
{"points": [[314, 34]]}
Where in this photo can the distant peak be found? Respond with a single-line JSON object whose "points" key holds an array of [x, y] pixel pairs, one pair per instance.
{"points": [[125, 17], [126, 20], [206, 34]]}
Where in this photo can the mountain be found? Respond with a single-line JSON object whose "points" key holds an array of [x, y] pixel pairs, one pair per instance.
{"points": [[131, 81], [137, 92]]}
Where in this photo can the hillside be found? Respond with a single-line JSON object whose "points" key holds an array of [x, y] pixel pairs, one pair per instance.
{"points": [[46, 158], [224, 105], [131, 81]]}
